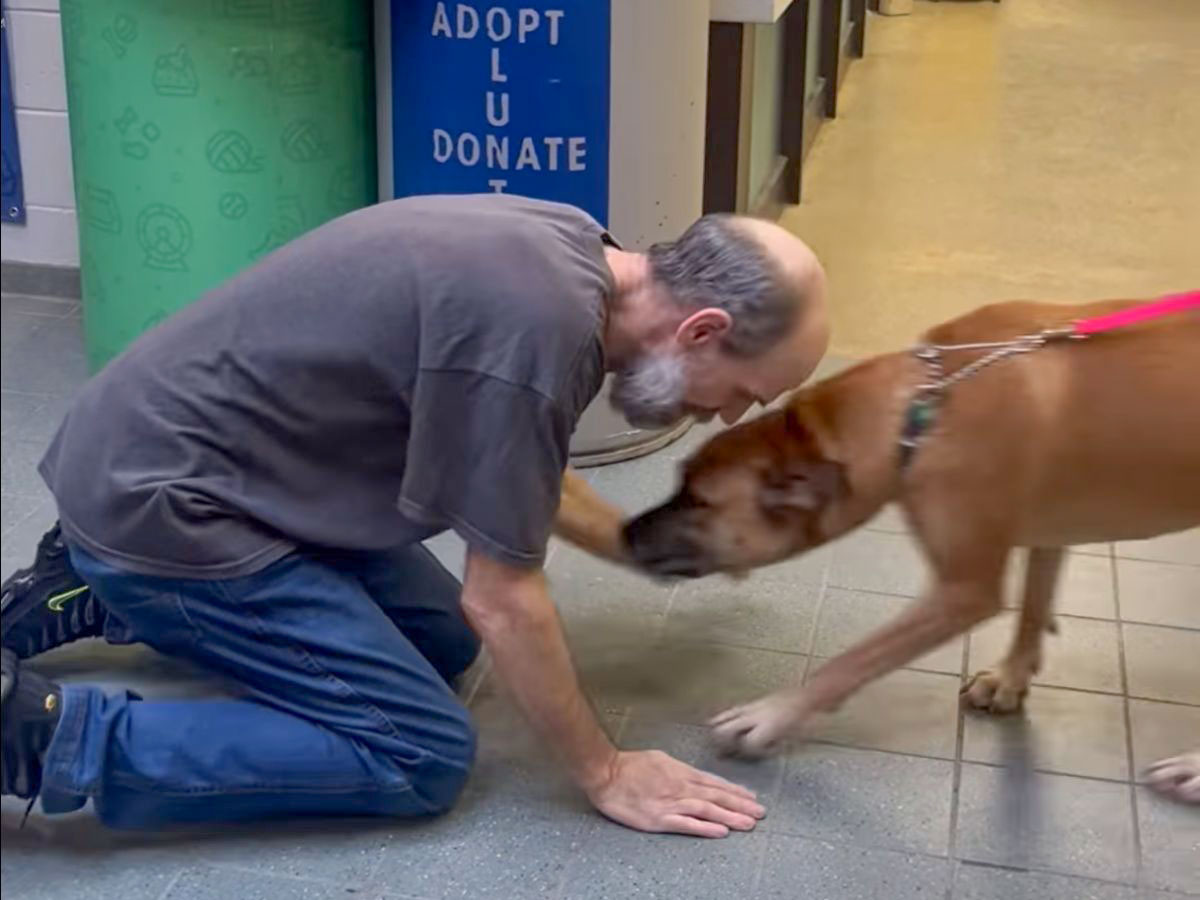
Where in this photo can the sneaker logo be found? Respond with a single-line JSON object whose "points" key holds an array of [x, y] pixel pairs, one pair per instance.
{"points": [[57, 602]]}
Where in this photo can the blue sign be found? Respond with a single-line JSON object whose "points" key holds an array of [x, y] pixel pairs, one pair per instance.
{"points": [[502, 96], [12, 194]]}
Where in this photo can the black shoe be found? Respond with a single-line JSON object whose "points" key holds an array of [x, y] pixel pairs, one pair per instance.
{"points": [[48, 604], [31, 706]]}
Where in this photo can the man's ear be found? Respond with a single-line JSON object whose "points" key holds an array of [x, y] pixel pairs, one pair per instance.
{"points": [[807, 485], [703, 326]]}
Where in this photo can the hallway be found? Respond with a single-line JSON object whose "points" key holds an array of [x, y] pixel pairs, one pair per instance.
{"points": [[1031, 149]]}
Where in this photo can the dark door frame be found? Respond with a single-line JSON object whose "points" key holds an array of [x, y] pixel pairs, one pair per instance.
{"points": [[723, 119]]}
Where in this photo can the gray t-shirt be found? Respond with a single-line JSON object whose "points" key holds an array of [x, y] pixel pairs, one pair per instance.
{"points": [[411, 367]]}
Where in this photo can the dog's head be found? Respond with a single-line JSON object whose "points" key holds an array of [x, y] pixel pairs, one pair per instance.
{"points": [[752, 495]]}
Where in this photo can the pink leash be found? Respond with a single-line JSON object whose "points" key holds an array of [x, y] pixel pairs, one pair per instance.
{"points": [[1174, 303]]}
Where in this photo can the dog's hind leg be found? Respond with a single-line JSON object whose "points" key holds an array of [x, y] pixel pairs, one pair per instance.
{"points": [[1003, 687]]}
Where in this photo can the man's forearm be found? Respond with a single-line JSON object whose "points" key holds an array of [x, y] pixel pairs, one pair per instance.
{"points": [[524, 636], [588, 520]]}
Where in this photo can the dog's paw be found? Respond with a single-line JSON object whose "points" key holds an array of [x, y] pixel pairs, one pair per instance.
{"points": [[758, 729], [999, 690], [1177, 777]]}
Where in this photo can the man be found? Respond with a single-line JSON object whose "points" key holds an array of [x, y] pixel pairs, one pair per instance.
{"points": [[247, 486]]}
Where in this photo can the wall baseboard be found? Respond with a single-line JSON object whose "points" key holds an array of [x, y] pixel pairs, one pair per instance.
{"points": [[40, 280], [772, 195]]}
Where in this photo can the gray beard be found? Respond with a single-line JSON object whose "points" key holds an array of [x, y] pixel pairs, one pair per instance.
{"points": [[649, 392]]}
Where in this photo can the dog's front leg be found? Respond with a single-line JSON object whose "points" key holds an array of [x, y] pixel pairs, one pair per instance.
{"points": [[948, 610], [588, 521], [1003, 687]]}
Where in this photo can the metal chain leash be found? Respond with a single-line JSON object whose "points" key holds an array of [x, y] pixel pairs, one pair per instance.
{"points": [[933, 356]]}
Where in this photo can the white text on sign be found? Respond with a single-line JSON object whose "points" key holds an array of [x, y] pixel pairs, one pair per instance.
{"points": [[495, 153]]}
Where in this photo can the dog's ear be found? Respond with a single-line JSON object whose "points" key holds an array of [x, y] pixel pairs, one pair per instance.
{"points": [[792, 422], [806, 486]]}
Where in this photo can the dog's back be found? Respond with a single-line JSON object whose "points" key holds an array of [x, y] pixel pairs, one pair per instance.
{"points": [[1091, 440]]}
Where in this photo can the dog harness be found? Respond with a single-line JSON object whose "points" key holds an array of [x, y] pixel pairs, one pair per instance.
{"points": [[926, 401]]}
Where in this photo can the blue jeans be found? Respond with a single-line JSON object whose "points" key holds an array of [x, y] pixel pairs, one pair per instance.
{"points": [[345, 659]]}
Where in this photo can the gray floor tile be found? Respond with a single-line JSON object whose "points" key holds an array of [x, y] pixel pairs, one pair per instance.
{"points": [[690, 683], [1180, 547], [40, 427], [1085, 587], [18, 330], [692, 745], [603, 602], [210, 883], [875, 561], [904, 712], [988, 883], [20, 540], [451, 552], [336, 852], [18, 470], [849, 616], [612, 667], [619, 864], [640, 483], [15, 508], [513, 764], [819, 871], [1075, 826], [1084, 654], [1070, 732], [1159, 593], [48, 360], [16, 409], [773, 608], [73, 857], [1170, 835], [869, 798], [1162, 730], [1161, 663], [493, 845]]}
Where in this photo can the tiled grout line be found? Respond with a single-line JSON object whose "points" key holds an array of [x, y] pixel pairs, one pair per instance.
{"points": [[819, 609], [960, 728], [1086, 879], [40, 395], [922, 854], [172, 882], [1132, 775], [25, 518], [952, 887]]}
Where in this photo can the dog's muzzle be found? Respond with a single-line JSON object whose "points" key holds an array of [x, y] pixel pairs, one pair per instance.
{"points": [[659, 544]]}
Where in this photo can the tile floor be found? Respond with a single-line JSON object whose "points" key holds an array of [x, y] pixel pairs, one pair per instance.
{"points": [[975, 158], [900, 795]]}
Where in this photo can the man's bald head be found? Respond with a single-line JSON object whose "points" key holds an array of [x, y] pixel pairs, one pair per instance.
{"points": [[763, 276]]}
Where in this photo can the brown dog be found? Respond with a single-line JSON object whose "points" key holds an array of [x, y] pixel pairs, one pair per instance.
{"points": [[1076, 442]]}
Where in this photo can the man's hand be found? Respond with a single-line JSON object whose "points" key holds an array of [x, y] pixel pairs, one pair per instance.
{"points": [[650, 791]]}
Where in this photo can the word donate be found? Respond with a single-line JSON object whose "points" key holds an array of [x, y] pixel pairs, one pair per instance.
{"points": [[502, 97]]}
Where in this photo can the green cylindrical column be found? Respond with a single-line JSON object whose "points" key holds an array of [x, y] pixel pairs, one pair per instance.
{"points": [[204, 136]]}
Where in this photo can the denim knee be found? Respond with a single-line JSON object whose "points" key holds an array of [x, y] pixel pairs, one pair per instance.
{"points": [[441, 777]]}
